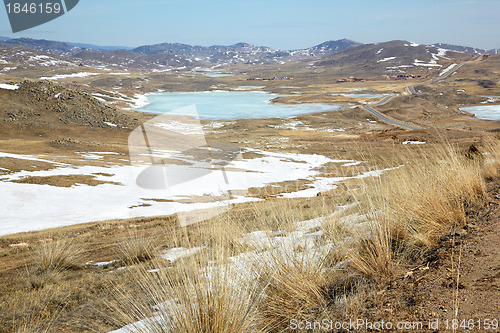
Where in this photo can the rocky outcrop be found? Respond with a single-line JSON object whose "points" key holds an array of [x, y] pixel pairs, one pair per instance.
{"points": [[44, 103]]}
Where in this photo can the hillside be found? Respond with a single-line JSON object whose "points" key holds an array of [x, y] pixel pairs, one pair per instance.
{"points": [[36, 107], [392, 60], [50, 46], [466, 49], [392, 57], [132, 60]]}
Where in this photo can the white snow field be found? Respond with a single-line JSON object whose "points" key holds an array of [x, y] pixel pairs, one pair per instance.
{"points": [[28, 207]]}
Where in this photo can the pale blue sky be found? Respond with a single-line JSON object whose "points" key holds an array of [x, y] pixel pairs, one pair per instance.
{"points": [[284, 24]]}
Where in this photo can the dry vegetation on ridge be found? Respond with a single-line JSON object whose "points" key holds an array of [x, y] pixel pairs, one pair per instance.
{"points": [[256, 267]]}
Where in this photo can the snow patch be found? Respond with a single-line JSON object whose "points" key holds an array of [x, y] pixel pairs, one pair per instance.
{"points": [[29, 158], [9, 86], [177, 253], [447, 69], [27, 207], [432, 63], [181, 127], [140, 101], [441, 52], [100, 264], [65, 76], [386, 59], [409, 142]]}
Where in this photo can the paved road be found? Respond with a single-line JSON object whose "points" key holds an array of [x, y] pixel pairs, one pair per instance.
{"points": [[383, 100], [385, 118], [412, 91]]}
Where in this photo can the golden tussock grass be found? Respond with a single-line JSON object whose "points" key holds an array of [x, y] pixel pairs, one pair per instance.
{"points": [[293, 289], [491, 155], [260, 265], [34, 310], [190, 297], [138, 248], [426, 197], [56, 255], [233, 285], [372, 255]]}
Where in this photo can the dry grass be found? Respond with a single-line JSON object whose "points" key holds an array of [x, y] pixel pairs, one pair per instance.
{"points": [[35, 310], [426, 198], [373, 255], [58, 255], [491, 154], [409, 210], [236, 285], [294, 290], [286, 272], [190, 297], [405, 212], [138, 248], [27, 328], [490, 171]]}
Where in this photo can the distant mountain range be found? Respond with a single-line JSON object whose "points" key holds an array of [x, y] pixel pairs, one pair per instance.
{"points": [[55, 46], [190, 50], [466, 49], [100, 47], [176, 54], [167, 56]]}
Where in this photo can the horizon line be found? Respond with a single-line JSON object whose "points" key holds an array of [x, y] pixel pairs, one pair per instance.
{"points": [[240, 42]]}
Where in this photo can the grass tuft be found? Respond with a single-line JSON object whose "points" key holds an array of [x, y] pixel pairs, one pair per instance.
{"points": [[190, 298], [294, 290], [58, 255], [138, 248]]}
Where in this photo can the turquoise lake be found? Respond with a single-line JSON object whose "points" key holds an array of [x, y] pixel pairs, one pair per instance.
{"points": [[485, 112], [230, 105]]}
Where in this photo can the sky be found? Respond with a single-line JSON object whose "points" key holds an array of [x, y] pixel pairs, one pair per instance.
{"points": [[280, 24]]}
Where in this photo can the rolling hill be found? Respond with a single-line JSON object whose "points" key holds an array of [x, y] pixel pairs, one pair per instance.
{"points": [[392, 58], [46, 106]]}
